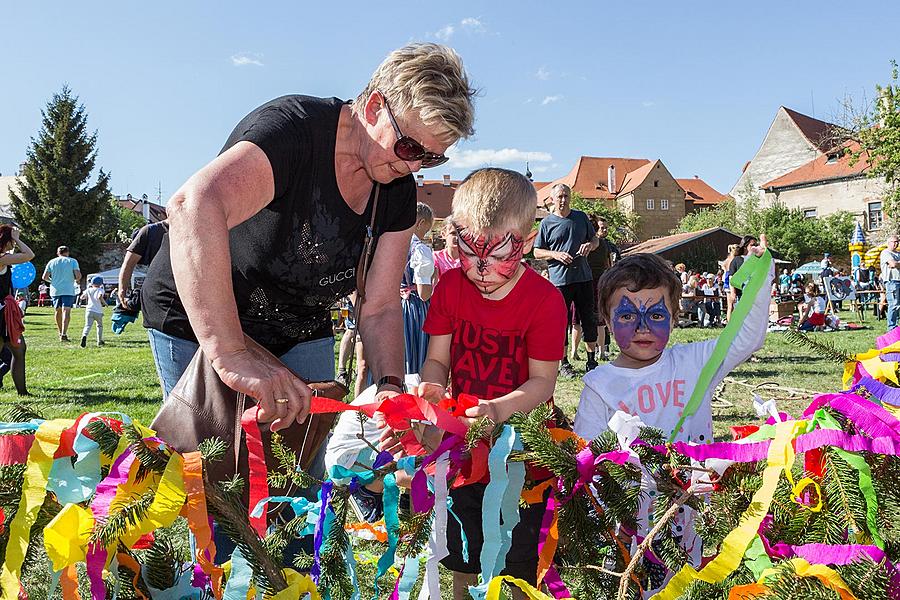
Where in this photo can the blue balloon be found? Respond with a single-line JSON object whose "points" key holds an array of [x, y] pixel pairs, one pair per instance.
{"points": [[23, 274]]}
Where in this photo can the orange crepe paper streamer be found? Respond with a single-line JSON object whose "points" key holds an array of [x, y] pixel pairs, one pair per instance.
{"points": [[126, 560], [68, 583], [194, 510]]}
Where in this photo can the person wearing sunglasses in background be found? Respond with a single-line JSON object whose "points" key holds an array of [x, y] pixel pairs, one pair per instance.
{"points": [[267, 236]]}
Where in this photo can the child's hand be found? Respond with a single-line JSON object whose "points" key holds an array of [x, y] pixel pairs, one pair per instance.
{"points": [[433, 392], [389, 439], [760, 248], [484, 408]]}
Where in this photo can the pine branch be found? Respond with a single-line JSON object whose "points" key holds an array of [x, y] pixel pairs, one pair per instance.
{"points": [[162, 565], [105, 436], [19, 413], [119, 522], [212, 449], [824, 348]]}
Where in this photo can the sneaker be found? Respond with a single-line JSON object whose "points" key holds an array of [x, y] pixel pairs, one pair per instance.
{"points": [[83, 341], [64, 338], [101, 343], [566, 370], [591, 365]]}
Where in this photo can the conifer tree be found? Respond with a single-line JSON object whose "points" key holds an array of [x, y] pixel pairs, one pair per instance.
{"points": [[57, 204]]}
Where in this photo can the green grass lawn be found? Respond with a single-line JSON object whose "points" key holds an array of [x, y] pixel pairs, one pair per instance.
{"points": [[66, 380]]}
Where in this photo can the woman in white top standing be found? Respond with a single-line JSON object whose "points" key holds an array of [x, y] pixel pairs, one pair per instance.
{"points": [[416, 288]]}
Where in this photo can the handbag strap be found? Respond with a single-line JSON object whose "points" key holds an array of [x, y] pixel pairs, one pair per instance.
{"points": [[362, 269]]}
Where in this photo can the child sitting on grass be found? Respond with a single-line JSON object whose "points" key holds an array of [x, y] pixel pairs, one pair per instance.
{"points": [[497, 332]]}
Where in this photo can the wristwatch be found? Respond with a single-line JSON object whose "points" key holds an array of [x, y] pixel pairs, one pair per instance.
{"points": [[392, 380]]}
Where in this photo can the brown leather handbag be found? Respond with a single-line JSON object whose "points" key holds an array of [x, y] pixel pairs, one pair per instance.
{"points": [[201, 406]]}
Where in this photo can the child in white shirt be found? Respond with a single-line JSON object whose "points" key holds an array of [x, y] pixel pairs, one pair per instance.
{"points": [[94, 301], [639, 296]]}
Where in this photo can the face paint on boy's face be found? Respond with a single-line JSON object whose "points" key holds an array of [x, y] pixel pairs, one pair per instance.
{"points": [[489, 261], [650, 324]]}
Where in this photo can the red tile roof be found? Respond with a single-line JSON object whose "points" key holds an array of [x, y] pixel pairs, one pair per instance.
{"points": [[440, 197], [589, 177], [699, 192], [820, 170], [819, 133], [157, 211], [635, 178]]}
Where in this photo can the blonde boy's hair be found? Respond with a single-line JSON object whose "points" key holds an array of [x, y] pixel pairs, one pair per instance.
{"points": [[494, 200]]}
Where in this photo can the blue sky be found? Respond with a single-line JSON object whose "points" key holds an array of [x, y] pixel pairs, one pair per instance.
{"points": [[693, 83]]}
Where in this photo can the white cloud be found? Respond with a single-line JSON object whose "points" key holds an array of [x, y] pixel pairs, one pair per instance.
{"points": [[549, 99], [469, 159], [542, 74], [445, 32], [473, 24], [648, 103], [544, 168], [242, 59]]}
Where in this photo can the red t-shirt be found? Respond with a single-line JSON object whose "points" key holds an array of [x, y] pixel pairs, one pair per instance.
{"points": [[493, 339]]}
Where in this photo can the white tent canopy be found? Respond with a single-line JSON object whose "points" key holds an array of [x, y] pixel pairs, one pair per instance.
{"points": [[111, 277]]}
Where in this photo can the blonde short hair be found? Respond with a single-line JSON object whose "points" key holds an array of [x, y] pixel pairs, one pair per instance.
{"points": [[427, 79], [493, 200]]}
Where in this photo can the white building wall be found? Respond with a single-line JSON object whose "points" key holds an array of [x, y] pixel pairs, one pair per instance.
{"points": [[852, 195], [784, 149], [7, 182]]}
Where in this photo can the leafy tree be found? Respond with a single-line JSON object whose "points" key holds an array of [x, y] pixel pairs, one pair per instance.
{"points": [[720, 215], [622, 225], [879, 136], [116, 224], [57, 204]]}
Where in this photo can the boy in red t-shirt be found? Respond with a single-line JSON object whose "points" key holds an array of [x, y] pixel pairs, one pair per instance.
{"points": [[497, 332]]}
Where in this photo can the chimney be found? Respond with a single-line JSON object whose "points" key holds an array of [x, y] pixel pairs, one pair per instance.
{"points": [[420, 180], [145, 210], [611, 179], [446, 181], [21, 172]]}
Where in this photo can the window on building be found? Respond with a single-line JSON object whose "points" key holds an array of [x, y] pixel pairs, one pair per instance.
{"points": [[656, 183], [876, 217], [655, 237], [832, 158], [649, 203], [810, 213], [664, 204]]}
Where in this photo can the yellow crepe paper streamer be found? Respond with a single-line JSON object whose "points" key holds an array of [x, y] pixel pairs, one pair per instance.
{"points": [[873, 364], [298, 586], [67, 535], [532, 593], [780, 458], [829, 578], [167, 502], [34, 489], [802, 485]]}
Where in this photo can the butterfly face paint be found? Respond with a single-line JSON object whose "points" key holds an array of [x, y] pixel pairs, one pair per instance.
{"points": [[490, 261], [644, 326]]}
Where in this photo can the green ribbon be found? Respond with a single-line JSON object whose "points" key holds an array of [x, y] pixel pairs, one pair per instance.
{"points": [[750, 278]]}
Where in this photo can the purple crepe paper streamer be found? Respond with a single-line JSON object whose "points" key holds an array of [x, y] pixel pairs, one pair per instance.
{"points": [[316, 569]]}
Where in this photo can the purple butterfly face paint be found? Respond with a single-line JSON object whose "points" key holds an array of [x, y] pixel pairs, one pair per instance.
{"points": [[653, 323]]}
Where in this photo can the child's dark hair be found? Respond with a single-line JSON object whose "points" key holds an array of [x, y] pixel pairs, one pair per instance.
{"points": [[637, 272], [745, 242]]}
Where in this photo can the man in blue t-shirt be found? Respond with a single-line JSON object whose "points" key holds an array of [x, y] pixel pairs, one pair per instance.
{"points": [[564, 239], [63, 275]]}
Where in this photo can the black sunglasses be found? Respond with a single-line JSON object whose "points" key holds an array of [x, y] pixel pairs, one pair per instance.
{"points": [[408, 149]]}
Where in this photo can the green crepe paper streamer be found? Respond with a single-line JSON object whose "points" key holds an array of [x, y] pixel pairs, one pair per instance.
{"points": [[750, 277], [826, 421], [756, 558]]}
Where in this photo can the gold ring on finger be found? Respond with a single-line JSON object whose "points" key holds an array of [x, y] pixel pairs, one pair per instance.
{"points": [[282, 400]]}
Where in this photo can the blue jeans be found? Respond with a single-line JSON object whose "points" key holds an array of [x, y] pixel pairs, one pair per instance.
{"points": [[892, 288], [313, 361]]}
